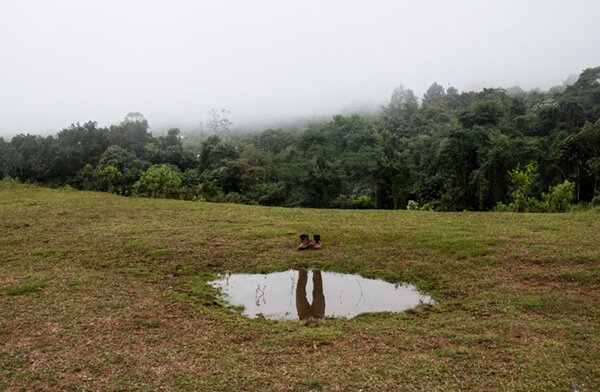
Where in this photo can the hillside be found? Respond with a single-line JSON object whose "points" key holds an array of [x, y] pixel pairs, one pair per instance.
{"points": [[449, 151], [103, 292]]}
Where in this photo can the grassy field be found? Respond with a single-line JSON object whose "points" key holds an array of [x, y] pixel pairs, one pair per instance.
{"points": [[101, 292]]}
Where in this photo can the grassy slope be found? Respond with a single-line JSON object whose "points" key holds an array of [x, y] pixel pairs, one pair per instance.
{"points": [[104, 292]]}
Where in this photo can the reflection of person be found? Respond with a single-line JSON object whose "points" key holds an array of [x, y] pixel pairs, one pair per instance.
{"points": [[317, 308]]}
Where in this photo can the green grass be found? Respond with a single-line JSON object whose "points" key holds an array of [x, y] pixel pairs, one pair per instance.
{"points": [[25, 286], [100, 292]]}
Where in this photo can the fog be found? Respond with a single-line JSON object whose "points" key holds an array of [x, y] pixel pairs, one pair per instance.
{"points": [[269, 61]]}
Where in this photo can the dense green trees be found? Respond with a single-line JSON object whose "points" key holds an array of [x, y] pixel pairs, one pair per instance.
{"points": [[452, 151]]}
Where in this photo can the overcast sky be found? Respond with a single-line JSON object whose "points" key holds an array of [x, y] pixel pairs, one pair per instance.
{"points": [[74, 60]]}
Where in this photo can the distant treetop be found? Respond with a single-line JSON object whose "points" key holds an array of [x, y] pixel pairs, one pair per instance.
{"points": [[134, 117]]}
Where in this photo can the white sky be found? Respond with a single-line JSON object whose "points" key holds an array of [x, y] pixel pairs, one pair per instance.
{"points": [[63, 61]]}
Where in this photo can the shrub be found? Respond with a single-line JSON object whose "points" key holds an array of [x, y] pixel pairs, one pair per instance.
{"points": [[560, 197], [233, 197], [268, 193], [109, 176], [523, 182], [210, 191], [426, 207], [412, 205], [162, 181], [501, 207], [363, 202]]}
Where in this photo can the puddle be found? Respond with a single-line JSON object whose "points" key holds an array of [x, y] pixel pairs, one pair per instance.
{"points": [[301, 294]]}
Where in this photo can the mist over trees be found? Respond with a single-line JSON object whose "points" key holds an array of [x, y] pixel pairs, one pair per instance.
{"points": [[449, 150]]}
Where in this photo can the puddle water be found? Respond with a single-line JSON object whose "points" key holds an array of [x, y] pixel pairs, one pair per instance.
{"points": [[302, 294]]}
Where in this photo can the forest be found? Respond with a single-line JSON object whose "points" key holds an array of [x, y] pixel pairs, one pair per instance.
{"points": [[496, 149]]}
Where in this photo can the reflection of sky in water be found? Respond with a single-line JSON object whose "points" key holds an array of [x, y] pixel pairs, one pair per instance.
{"points": [[274, 295]]}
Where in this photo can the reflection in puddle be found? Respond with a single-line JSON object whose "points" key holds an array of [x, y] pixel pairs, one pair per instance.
{"points": [[291, 295]]}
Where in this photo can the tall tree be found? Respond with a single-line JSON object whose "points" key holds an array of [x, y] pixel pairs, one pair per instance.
{"points": [[131, 134], [219, 124], [434, 96]]}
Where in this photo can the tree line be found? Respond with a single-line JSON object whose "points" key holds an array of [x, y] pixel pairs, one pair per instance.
{"points": [[503, 149]]}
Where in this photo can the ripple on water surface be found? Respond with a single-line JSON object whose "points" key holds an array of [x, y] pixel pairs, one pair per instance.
{"points": [[302, 294]]}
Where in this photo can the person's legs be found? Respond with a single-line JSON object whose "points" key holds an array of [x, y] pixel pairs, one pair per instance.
{"points": [[318, 301], [302, 305]]}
